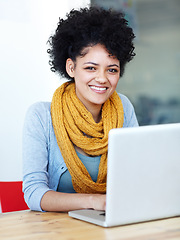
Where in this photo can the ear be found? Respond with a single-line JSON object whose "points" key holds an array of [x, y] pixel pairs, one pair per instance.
{"points": [[70, 67]]}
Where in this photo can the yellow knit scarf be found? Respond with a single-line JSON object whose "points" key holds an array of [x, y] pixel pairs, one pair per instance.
{"points": [[72, 124]]}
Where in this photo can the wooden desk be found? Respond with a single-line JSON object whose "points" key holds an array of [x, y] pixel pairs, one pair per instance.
{"points": [[50, 226]]}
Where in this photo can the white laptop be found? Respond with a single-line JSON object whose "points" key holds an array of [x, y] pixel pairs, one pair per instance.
{"points": [[143, 179]]}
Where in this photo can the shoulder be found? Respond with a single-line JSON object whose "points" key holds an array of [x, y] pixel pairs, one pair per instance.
{"points": [[39, 109], [130, 119], [127, 105], [38, 116], [125, 101]]}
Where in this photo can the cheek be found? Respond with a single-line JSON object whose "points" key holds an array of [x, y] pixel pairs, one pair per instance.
{"points": [[114, 81], [80, 76]]}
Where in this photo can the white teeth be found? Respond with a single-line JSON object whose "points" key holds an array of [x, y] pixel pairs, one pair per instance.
{"points": [[98, 88]]}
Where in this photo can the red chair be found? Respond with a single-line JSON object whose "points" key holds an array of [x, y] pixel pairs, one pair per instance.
{"points": [[12, 197]]}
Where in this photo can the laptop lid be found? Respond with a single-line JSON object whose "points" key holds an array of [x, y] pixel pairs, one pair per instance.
{"points": [[143, 179]]}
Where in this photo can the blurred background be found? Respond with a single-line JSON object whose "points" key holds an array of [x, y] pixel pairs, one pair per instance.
{"points": [[151, 80]]}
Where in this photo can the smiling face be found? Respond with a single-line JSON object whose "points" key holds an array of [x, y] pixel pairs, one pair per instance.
{"points": [[96, 74]]}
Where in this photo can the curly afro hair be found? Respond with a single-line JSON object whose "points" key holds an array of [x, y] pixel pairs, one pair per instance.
{"points": [[88, 27]]}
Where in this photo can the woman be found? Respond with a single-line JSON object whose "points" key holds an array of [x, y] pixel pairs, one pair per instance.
{"points": [[65, 141]]}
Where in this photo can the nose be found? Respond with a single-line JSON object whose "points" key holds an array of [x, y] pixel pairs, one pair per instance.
{"points": [[101, 77]]}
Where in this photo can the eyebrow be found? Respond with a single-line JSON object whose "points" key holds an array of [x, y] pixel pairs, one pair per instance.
{"points": [[96, 64]]}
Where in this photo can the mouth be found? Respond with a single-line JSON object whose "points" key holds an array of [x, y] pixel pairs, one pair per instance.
{"points": [[98, 89]]}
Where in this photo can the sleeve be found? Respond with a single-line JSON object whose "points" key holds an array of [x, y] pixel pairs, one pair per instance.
{"points": [[130, 119], [35, 156]]}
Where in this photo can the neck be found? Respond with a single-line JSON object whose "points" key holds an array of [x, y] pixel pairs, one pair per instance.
{"points": [[96, 113], [95, 110]]}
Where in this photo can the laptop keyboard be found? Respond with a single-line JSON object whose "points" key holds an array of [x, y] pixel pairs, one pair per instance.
{"points": [[103, 214]]}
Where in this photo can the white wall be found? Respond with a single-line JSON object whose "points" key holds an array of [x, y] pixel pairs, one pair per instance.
{"points": [[25, 75]]}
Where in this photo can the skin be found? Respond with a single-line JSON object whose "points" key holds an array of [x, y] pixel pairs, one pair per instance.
{"points": [[96, 75]]}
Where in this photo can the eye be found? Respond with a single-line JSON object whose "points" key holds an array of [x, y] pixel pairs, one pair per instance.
{"points": [[90, 68], [112, 70]]}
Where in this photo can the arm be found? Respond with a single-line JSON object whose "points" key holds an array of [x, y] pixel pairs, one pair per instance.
{"points": [[57, 201], [35, 156]]}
